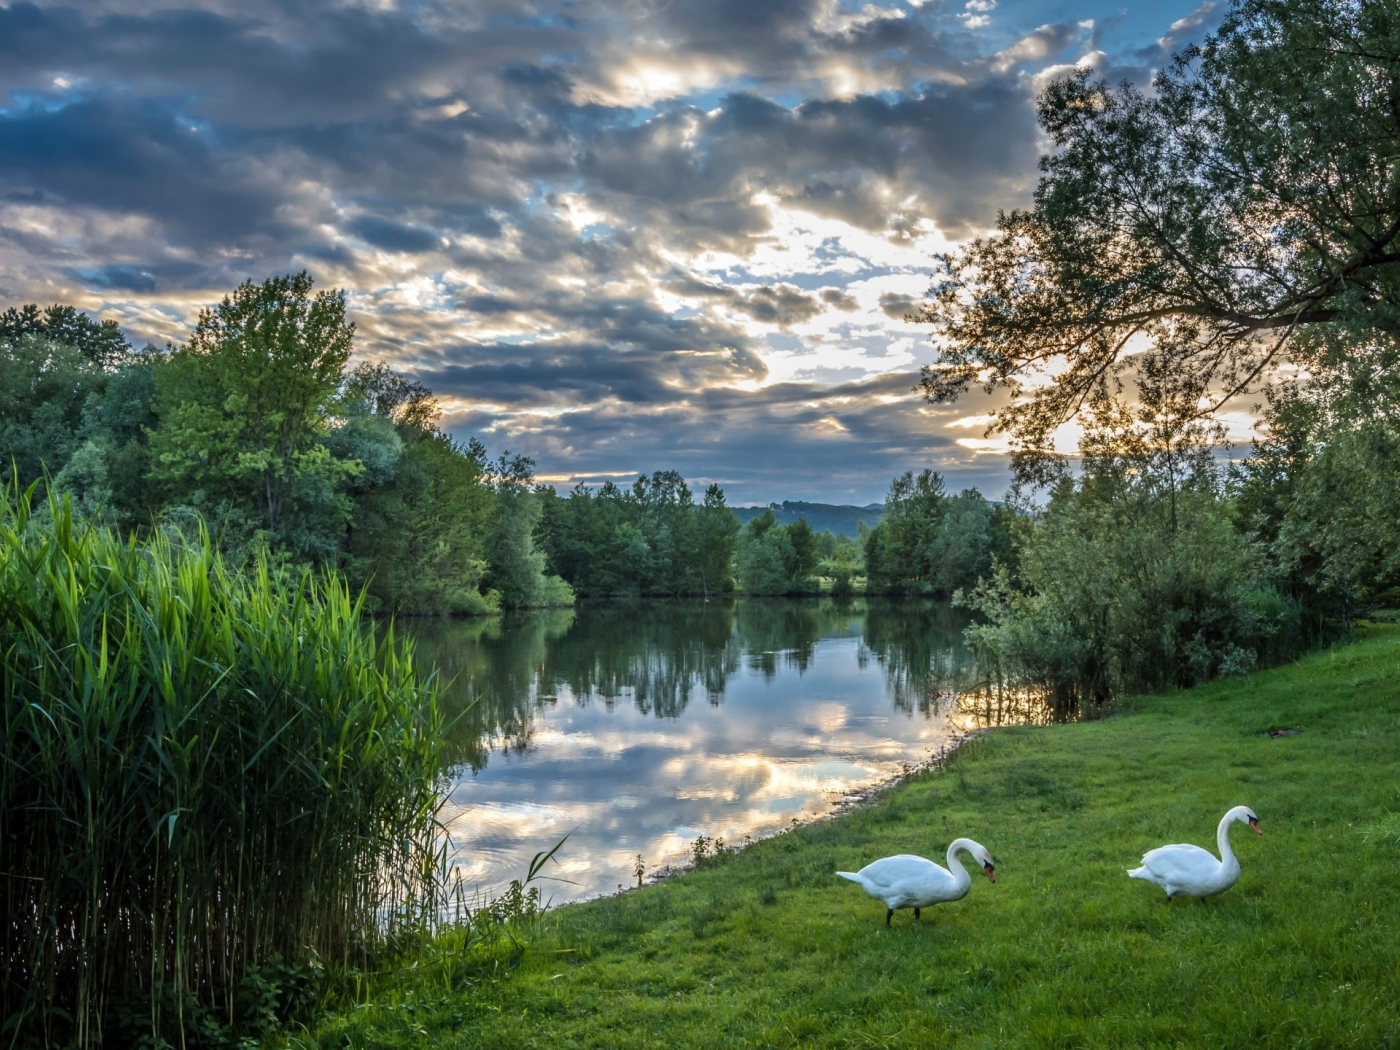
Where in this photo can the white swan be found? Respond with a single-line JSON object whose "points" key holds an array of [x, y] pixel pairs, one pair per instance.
{"points": [[907, 881], [1189, 871]]}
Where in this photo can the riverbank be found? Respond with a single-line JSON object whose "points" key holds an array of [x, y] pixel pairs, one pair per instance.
{"points": [[768, 948]]}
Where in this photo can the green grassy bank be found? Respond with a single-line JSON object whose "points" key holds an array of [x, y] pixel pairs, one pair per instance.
{"points": [[769, 948]]}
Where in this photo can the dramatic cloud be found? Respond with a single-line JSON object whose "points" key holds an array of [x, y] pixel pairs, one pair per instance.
{"points": [[618, 236]]}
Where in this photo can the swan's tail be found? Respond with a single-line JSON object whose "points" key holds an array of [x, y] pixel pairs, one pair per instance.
{"points": [[852, 876], [1140, 873]]}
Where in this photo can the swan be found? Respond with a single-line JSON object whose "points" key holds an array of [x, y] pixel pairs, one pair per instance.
{"points": [[906, 881], [1189, 871]]}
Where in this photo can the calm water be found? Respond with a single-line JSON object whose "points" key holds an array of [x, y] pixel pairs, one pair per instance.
{"points": [[636, 728]]}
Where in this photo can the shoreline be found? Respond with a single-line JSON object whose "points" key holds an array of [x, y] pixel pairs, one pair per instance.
{"points": [[767, 948], [849, 801]]}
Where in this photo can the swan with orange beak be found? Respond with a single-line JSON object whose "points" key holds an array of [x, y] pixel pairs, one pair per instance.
{"points": [[1184, 870], [907, 881]]}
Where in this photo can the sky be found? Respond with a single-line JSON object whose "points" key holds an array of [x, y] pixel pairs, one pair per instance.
{"points": [[618, 237]]}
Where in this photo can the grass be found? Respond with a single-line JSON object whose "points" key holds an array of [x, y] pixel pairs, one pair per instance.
{"points": [[211, 786], [770, 949]]}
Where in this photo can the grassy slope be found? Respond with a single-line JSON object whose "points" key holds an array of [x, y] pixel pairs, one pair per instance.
{"points": [[771, 949]]}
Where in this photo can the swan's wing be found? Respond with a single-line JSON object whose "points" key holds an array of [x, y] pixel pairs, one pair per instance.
{"points": [[1182, 864], [893, 872], [908, 881]]}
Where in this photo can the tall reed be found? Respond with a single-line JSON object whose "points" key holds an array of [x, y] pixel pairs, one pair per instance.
{"points": [[202, 772]]}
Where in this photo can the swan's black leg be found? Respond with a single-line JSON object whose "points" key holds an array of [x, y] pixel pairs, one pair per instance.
{"points": [[916, 914], [889, 914]]}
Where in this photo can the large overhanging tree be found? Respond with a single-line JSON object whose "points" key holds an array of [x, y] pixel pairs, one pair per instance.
{"points": [[1242, 214]]}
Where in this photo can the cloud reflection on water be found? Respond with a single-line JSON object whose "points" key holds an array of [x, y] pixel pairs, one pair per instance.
{"points": [[636, 729]]}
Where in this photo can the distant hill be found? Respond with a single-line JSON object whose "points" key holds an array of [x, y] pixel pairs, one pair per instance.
{"points": [[823, 517]]}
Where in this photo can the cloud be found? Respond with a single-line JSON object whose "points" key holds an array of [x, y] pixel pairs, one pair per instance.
{"points": [[1193, 27], [835, 297], [782, 305], [137, 157], [751, 442], [123, 278], [896, 305], [666, 224]]}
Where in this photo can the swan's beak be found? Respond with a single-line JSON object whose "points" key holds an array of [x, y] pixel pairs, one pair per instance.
{"points": [[1254, 823], [990, 870]]}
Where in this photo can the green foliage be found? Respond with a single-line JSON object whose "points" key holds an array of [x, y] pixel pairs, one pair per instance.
{"points": [[842, 576], [206, 776], [423, 503], [896, 552], [45, 388], [257, 429], [1110, 599], [244, 408], [715, 533], [419, 539], [1320, 489], [1217, 220], [764, 555], [931, 543], [70, 420], [100, 343], [1134, 577], [804, 549], [775, 559], [119, 424], [651, 539], [517, 566]]}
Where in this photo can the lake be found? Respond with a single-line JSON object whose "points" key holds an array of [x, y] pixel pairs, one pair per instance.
{"points": [[635, 728]]}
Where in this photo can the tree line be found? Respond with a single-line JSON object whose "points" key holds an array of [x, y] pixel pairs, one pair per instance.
{"points": [[1234, 231], [259, 429]]}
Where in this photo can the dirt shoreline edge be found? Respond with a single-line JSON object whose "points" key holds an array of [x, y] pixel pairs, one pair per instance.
{"points": [[848, 802]]}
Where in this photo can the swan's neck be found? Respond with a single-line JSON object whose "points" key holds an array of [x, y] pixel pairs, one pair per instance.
{"points": [[1222, 839], [960, 875]]}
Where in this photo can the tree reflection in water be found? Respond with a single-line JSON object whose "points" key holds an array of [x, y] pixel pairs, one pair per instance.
{"points": [[658, 655], [589, 722]]}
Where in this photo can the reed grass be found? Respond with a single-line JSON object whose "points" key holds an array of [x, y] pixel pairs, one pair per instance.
{"points": [[204, 775]]}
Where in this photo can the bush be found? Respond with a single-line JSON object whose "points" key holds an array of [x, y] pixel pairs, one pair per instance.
{"points": [[1140, 591], [207, 779]]}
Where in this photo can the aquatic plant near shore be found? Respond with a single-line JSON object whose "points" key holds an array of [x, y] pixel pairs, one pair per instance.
{"points": [[204, 775]]}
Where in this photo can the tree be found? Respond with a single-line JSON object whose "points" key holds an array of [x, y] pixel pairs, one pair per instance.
{"points": [[961, 551], [1123, 588], [45, 388], [776, 559], [121, 423], [419, 536], [100, 342], [245, 405], [381, 391], [649, 539], [763, 564], [896, 550], [516, 565], [716, 533], [1244, 213], [665, 512], [804, 549], [1321, 490]]}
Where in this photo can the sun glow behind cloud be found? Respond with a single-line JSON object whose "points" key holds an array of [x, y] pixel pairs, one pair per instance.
{"points": [[629, 237]]}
